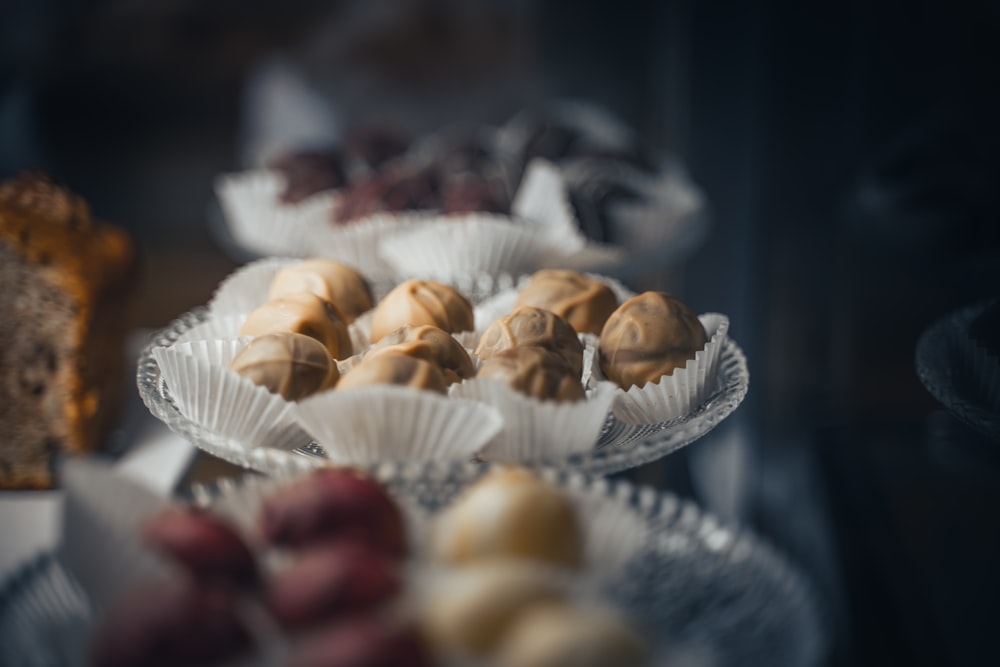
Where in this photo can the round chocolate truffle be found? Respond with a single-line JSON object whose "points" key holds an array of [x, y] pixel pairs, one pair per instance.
{"points": [[510, 513], [648, 337], [290, 364], [470, 608], [418, 302], [302, 313], [338, 283], [430, 344], [554, 634], [396, 369], [535, 372], [583, 302], [533, 326]]}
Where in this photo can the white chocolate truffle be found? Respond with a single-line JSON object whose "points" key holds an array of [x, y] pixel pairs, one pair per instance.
{"points": [[337, 283], [512, 513], [417, 302], [557, 635], [470, 608], [306, 314], [394, 369], [290, 364]]}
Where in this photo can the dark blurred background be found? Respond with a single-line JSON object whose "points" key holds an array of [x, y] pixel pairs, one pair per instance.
{"points": [[849, 155]]}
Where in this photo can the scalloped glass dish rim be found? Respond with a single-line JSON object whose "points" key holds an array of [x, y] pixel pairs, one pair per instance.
{"points": [[747, 575], [621, 446]]}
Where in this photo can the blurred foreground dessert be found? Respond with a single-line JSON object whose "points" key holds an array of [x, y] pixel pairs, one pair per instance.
{"points": [[66, 279]]}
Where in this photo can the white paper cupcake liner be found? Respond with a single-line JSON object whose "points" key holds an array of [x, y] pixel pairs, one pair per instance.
{"points": [[247, 288], [540, 430], [374, 424], [102, 514], [222, 401], [449, 247], [228, 326], [258, 220], [214, 328], [358, 242], [677, 394], [505, 301], [542, 201]]}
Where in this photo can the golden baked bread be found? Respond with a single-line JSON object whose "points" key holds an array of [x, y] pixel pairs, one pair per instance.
{"points": [[583, 302], [66, 280]]}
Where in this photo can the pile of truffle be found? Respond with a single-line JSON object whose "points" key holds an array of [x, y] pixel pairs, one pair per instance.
{"points": [[316, 576], [536, 349]]}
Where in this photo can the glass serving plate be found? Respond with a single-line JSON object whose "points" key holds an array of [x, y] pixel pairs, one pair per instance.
{"points": [[701, 592], [621, 446], [946, 370]]}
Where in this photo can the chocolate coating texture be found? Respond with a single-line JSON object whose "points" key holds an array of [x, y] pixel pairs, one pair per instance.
{"points": [[430, 344], [394, 369], [419, 302], [306, 314], [535, 372], [530, 326], [290, 364], [647, 337], [337, 283], [583, 302]]}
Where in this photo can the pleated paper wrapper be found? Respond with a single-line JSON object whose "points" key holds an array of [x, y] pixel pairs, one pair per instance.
{"points": [[259, 220], [224, 403], [367, 425], [676, 395]]}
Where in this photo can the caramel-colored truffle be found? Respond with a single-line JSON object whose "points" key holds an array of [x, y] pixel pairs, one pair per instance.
{"points": [[470, 609], [554, 634], [395, 369], [337, 283], [583, 302], [533, 326], [291, 364], [512, 513], [418, 302], [430, 344], [535, 372], [648, 337], [302, 313]]}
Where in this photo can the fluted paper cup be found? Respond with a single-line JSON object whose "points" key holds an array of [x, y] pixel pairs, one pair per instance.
{"points": [[246, 289], [448, 247], [678, 394], [358, 242], [373, 424], [542, 201], [260, 221], [214, 328], [223, 402], [536, 430]]}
